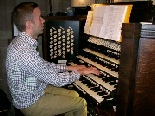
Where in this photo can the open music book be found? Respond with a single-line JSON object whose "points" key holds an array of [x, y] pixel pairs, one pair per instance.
{"points": [[88, 22], [107, 21]]}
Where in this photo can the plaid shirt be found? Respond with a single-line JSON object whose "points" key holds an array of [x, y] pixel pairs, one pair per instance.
{"points": [[28, 74]]}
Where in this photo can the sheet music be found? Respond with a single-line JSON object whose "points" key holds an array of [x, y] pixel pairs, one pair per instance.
{"points": [[115, 15], [88, 22], [97, 20], [107, 21]]}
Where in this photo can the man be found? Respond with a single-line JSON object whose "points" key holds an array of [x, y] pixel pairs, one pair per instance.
{"points": [[35, 83]]}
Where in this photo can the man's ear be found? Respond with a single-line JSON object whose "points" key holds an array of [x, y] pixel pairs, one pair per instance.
{"points": [[28, 24]]}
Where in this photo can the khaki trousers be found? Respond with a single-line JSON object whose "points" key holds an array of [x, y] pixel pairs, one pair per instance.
{"points": [[57, 101]]}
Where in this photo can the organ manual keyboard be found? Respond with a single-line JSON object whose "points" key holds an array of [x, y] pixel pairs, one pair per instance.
{"points": [[99, 90], [126, 84]]}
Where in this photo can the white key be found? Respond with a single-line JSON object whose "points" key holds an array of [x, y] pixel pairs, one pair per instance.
{"points": [[113, 73], [102, 56], [101, 82], [90, 92]]}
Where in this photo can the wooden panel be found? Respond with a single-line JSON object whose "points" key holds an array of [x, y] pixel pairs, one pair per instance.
{"points": [[144, 102], [136, 74]]}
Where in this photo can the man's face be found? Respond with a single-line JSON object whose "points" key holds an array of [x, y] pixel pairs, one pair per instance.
{"points": [[38, 22]]}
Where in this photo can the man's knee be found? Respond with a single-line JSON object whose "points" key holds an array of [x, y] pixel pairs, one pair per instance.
{"points": [[74, 93], [84, 102]]}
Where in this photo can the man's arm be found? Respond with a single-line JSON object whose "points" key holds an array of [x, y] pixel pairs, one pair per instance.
{"points": [[83, 70]]}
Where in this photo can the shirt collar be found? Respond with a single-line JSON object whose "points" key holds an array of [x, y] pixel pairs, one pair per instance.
{"points": [[27, 38]]}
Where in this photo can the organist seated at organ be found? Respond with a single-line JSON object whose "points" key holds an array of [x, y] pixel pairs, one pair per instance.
{"points": [[34, 83]]}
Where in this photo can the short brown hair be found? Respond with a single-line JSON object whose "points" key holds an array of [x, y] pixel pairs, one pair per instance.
{"points": [[22, 13]]}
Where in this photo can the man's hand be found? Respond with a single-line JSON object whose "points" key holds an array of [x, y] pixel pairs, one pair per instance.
{"points": [[75, 67], [89, 70], [83, 70]]}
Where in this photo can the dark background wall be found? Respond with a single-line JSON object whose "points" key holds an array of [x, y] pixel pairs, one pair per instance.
{"points": [[6, 7]]}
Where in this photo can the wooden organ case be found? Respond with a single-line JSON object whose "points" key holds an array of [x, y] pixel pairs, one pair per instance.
{"points": [[126, 86], [135, 92]]}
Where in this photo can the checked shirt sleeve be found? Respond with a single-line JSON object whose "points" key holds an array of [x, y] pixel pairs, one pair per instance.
{"points": [[45, 71]]}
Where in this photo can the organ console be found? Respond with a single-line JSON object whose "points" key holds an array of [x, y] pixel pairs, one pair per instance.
{"points": [[99, 90], [126, 84]]}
